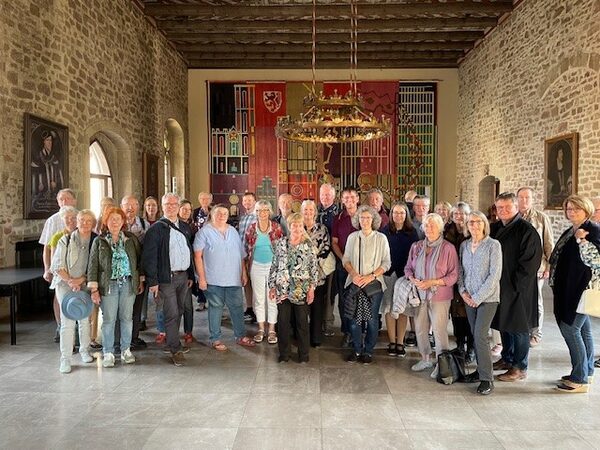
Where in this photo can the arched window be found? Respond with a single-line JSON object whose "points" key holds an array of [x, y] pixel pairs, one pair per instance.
{"points": [[100, 177]]}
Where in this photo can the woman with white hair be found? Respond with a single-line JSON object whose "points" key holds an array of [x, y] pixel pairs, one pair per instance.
{"points": [[292, 281], [433, 268], [69, 266], [259, 241], [366, 259]]}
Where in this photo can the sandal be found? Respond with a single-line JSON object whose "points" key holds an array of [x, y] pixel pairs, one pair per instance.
{"points": [[219, 346], [258, 338], [272, 338], [246, 342]]}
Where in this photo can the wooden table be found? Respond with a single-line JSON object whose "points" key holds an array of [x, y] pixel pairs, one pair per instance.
{"points": [[10, 278]]}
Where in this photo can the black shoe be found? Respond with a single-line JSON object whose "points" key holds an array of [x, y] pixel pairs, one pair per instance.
{"points": [[249, 316], [143, 326], [366, 359], [283, 359], [328, 333], [400, 351], [138, 344], [471, 378], [411, 339], [597, 363], [167, 350], [315, 345], [303, 359], [95, 346], [57, 335], [392, 350], [485, 388], [353, 358]]}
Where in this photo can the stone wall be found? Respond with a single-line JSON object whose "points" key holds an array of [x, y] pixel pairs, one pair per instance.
{"points": [[536, 76], [97, 67]]}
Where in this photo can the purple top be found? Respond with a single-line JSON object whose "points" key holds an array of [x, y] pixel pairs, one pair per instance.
{"points": [[446, 269], [342, 228]]}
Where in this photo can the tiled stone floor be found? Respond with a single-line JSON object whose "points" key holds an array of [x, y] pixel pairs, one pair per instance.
{"points": [[244, 399]]}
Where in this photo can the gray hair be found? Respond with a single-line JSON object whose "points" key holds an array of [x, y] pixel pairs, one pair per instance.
{"points": [[263, 204], [375, 224], [327, 186], [461, 206], [486, 223], [375, 191], [213, 211], [305, 203], [169, 194], [87, 212], [435, 218], [67, 211], [71, 192]]}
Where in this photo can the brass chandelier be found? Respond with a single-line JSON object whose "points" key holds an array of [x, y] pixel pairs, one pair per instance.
{"points": [[335, 118]]}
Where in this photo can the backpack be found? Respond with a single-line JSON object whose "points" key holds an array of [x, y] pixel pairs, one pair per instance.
{"points": [[451, 366]]}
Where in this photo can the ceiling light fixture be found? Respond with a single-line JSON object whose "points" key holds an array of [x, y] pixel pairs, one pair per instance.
{"points": [[335, 118]]}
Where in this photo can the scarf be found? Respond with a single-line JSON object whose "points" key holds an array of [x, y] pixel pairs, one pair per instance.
{"points": [[424, 272], [558, 248], [120, 260]]}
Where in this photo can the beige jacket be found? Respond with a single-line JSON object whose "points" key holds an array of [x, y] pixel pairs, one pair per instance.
{"points": [[541, 223]]}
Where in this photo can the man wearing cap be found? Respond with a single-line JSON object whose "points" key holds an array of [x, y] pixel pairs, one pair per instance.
{"points": [[167, 263]]}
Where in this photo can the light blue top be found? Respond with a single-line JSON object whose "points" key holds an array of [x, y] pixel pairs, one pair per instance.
{"points": [[480, 271], [222, 255], [263, 252], [179, 252]]}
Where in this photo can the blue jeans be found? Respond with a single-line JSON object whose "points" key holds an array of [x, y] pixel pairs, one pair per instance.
{"points": [[515, 349], [160, 315], [372, 329], [117, 301], [578, 337], [217, 298]]}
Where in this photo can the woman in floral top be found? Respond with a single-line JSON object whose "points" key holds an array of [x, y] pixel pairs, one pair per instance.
{"points": [[320, 237], [292, 281], [260, 240]]}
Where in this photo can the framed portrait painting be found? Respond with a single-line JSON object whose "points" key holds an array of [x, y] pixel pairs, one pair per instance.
{"points": [[150, 175], [560, 169], [46, 160]]}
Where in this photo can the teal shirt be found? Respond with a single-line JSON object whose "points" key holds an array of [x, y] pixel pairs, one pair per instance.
{"points": [[263, 252]]}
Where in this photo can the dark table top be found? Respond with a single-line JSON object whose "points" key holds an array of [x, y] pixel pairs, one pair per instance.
{"points": [[10, 276]]}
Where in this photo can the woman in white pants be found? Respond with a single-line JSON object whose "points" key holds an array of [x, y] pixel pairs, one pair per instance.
{"points": [[69, 265], [259, 241]]}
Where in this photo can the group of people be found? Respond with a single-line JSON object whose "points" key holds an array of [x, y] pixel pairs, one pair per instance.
{"points": [[405, 267]]}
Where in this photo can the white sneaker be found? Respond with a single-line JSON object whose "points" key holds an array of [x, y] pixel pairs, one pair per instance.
{"points": [[108, 360], [65, 366], [127, 357], [421, 365], [86, 357], [434, 374]]}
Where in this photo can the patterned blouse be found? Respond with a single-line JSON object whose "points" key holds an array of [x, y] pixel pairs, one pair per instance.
{"points": [[320, 237], [294, 270], [249, 240]]}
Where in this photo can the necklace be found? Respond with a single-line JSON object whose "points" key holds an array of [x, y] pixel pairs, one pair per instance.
{"points": [[260, 228]]}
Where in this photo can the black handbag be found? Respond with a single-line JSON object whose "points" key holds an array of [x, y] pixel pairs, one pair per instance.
{"points": [[374, 287], [451, 366]]}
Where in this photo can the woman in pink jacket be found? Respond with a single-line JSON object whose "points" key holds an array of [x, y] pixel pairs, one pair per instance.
{"points": [[433, 268]]}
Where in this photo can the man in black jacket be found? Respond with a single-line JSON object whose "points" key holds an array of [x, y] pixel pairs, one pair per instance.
{"points": [[517, 311], [167, 262]]}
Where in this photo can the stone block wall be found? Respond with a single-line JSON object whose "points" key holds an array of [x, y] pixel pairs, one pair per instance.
{"points": [[97, 67], [536, 76]]}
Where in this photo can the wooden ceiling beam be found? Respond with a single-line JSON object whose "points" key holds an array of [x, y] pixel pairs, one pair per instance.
{"points": [[291, 64], [340, 26], [342, 9], [365, 36], [306, 48], [322, 56]]}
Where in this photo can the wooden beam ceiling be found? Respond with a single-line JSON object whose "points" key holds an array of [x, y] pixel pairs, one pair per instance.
{"points": [[266, 33]]}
